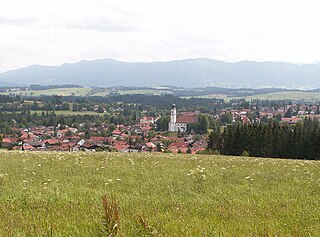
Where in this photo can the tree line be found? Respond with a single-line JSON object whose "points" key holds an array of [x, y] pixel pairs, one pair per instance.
{"points": [[279, 140]]}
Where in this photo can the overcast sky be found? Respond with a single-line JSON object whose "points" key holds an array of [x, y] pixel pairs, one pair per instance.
{"points": [[57, 31]]}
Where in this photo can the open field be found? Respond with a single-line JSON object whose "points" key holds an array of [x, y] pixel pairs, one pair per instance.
{"points": [[295, 95], [49, 92], [216, 96], [287, 95], [134, 92], [60, 194], [150, 92]]}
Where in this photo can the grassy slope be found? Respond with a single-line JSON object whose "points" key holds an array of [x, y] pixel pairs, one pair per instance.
{"points": [[286, 95], [59, 91], [60, 193], [131, 92], [269, 96]]}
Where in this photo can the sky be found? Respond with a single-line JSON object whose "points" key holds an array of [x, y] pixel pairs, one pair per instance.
{"points": [[64, 31]]}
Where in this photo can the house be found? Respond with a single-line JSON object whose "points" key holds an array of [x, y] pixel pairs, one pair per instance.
{"points": [[97, 140], [147, 119], [51, 142], [119, 145], [149, 146], [116, 133], [89, 146], [27, 147], [176, 147], [81, 142], [7, 142], [291, 120]]}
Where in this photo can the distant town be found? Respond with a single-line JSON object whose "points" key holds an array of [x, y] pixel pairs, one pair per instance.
{"points": [[134, 123]]}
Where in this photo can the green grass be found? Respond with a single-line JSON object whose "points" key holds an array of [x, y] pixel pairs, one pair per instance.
{"points": [[49, 92], [131, 92], [287, 95], [296, 95], [210, 96], [60, 194], [101, 93]]}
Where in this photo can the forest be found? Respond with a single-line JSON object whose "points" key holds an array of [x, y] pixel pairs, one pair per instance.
{"points": [[279, 140]]}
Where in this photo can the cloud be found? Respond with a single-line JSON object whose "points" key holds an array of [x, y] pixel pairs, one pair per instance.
{"points": [[17, 21], [54, 32], [102, 23]]}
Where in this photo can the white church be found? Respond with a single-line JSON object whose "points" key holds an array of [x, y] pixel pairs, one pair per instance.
{"points": [[180, 122]]}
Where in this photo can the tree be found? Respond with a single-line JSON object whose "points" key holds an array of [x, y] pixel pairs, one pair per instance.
{"points": [[48, 106], [214, 139], [203, 124], [159, 147], [87, 134], [100, 109], [264, 119], [75, 107], [35, 105], [163, 123], [65, 106], [226, 118], [189, 151], [68, 133], [288, 113], [98, 124]]}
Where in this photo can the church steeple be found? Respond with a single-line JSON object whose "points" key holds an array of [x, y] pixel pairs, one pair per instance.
{"points": [[173, 119]]}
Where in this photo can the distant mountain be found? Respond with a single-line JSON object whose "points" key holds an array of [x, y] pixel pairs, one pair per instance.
{"points": [[8, 84], [186, 73]]}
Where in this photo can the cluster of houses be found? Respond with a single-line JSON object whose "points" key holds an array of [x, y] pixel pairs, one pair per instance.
{"points": [[135, 138], [141, 137], [290, 113]]}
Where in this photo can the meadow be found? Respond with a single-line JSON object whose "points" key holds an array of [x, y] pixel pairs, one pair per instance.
{"points": [[290, 95], [154, 194], [50, 92]]}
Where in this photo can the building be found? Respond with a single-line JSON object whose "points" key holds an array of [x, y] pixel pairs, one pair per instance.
{"points": [[147, 119], [180, 122]]}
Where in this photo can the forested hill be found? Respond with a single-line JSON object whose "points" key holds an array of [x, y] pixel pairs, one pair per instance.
{"points": [[186, 73]]}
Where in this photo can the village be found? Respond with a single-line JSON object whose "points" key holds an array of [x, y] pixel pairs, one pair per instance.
{"points": [[121, 140], [143, 136]]}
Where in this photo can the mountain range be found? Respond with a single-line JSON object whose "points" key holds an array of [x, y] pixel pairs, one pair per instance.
{"points": [[188, 73]]}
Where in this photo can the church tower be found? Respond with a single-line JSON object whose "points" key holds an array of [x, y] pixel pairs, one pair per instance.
{"points": [[173, 119]]}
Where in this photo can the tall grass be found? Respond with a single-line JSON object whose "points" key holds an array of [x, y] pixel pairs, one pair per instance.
{"points": [[111, 216], [59, 194]]}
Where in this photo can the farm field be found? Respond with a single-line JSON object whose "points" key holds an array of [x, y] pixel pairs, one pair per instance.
{"points": [[296, 95], [216, 96], [60, 194], [150, 92], [50, 92], [286, 95], [134, 92]]}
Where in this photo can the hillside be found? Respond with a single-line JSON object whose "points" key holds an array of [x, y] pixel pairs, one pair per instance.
{"points": [[60, 194], [187, 73]]}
